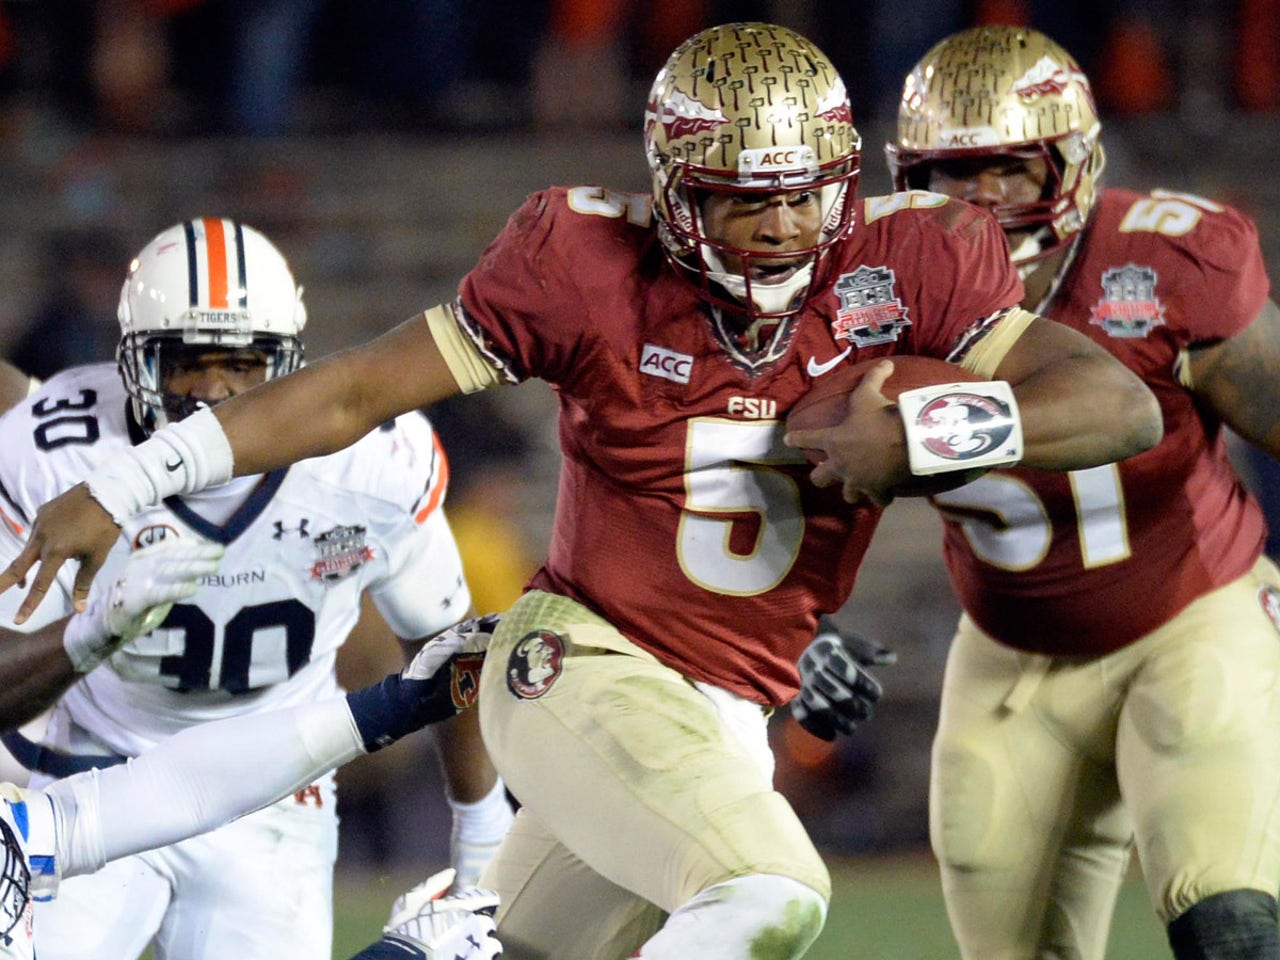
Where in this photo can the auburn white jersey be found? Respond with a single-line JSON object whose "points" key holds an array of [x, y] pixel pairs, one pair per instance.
{"points": [[301, 546]]}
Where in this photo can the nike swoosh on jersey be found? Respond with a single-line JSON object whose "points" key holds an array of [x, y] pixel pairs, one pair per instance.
{"points": [[171, 467], [817, 369]]}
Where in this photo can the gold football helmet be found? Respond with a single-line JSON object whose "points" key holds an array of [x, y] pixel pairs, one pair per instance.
{"points": [[1005, 91], [748, 108]]}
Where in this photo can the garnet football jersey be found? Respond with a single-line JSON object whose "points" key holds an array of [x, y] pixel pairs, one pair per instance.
{"points": [[301, 546], [1089, 561], [682, 518]]}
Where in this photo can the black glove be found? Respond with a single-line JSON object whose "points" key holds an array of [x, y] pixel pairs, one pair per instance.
{"points": [[836, 693]]}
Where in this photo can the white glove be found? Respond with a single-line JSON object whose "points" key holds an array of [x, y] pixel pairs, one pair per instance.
{"points": [[152, 579], [445, 927], [468, 637]]}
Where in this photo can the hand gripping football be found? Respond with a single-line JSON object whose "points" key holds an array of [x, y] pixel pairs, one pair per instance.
{"points": [[827, 404]]}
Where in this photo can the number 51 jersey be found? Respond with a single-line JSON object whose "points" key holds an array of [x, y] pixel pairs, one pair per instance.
{"points": [[301, 547]]}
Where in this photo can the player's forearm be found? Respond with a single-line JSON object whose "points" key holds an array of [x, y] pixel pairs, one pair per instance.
{"points": [[331, 404], [1085, 411], [198, 780], [34, 671]]}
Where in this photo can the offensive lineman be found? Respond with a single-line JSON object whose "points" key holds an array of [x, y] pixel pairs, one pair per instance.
{"points": [[210, 308], [623, 696], [1115, 678]]}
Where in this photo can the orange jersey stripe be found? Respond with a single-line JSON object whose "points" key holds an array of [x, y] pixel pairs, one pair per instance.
{"points": [[441, 484], [12, 524]]}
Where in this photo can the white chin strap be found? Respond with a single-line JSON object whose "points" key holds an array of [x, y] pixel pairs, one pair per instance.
{"points": [[767, 297]]}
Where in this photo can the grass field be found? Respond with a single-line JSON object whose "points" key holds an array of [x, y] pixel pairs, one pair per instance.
{"points": [[883, 909]]}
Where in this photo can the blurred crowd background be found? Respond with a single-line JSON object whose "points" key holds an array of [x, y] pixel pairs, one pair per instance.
{"points": [[382, 143]]}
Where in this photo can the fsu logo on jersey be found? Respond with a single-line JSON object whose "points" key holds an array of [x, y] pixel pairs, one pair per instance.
{"points": [[535, 664], [870, 312], [342, 551], [1128, 307], [1269, 598]]}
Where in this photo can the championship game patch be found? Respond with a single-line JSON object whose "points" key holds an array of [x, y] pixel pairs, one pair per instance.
{"points": [[963, 425], [870, 312], [535, 664], [1128, 307], [1269, 597], [150, 536], [341, 551]]}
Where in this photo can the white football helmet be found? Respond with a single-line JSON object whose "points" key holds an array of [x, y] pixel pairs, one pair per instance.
{"points": [[208, 282], [748, 109], [15, 876]]}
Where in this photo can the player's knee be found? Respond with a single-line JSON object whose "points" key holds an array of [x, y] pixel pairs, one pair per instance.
{"points": [[1236, 925]]}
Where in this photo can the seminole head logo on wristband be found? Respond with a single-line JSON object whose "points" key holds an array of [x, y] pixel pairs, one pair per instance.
{"points": [[535, 664], [964, 425]]}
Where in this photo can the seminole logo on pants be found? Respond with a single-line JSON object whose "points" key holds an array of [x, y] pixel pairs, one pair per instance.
{"points": [[535, 664]]}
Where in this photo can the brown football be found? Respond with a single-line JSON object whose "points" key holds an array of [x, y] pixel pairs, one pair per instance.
{"points": [[827, 404]]}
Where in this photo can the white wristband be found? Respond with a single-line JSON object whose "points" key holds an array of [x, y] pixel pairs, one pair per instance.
{"points": [[961, 426], [182, 458]]}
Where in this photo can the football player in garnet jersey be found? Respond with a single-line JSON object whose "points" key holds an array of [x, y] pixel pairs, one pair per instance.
{"points": [[208, 309], [625, 695], [1115, 679]]}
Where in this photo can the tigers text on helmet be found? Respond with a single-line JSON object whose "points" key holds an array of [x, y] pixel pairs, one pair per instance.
{"points": [[1005, 91], [207, 282], [749, 109]]}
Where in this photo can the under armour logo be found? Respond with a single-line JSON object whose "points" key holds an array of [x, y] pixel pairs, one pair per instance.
{"points": [[300, 529]]}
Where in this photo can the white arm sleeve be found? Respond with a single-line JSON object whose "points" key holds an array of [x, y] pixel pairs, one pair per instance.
{"points": [[199, 779]]}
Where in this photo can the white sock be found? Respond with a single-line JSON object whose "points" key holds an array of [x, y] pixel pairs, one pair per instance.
{"points": [[478, 829]]}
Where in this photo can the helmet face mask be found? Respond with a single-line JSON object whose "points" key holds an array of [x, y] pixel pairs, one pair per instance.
{"points": [[204, 283], [15, 880], [1005, 92], [749, 110]]}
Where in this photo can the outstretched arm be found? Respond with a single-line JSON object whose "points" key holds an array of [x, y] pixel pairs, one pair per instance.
{"points": [[210, 774], [316, 410]]}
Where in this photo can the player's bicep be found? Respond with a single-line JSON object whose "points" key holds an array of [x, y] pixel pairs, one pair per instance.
{"points": [[1239, 378]]}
